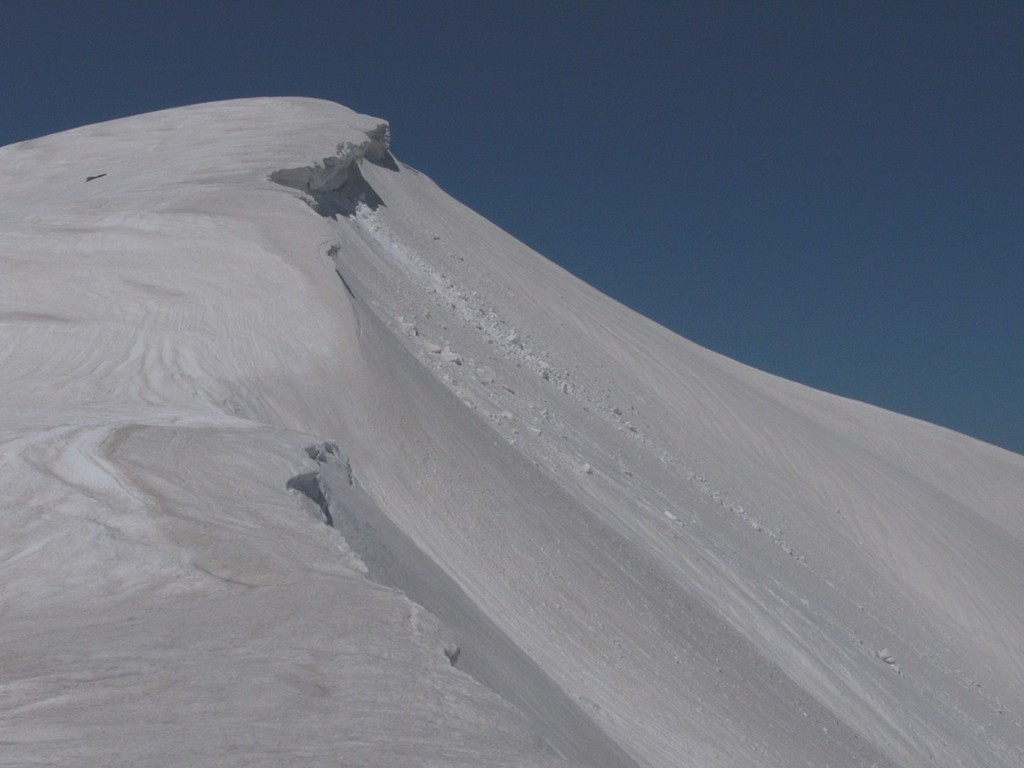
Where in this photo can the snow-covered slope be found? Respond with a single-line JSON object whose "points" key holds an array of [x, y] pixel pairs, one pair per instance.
{"points": [[556, 532]]}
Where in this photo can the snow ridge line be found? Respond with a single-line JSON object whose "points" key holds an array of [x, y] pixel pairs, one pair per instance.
{"points": [[483, 651]]}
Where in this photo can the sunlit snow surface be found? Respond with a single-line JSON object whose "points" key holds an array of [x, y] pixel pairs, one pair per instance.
{"points": [[560, 533]]}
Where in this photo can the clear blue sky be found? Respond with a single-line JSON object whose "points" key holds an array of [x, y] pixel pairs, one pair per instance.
{"points": [[833, 192]]}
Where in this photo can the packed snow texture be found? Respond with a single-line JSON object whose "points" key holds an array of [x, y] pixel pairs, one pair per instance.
{"points": [[304, 463]]}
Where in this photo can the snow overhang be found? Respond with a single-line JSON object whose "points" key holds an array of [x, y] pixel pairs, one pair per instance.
{"points": [[336, 184]]}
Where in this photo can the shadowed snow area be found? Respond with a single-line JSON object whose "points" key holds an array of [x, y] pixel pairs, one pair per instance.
{"points": [[336, 185], [304, 463]]}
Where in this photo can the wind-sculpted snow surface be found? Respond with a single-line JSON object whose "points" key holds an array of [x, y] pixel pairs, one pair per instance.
{"points": [[304, 463]]}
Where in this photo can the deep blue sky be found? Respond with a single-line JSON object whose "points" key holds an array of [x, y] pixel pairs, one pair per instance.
{"points": [[833, 192]]}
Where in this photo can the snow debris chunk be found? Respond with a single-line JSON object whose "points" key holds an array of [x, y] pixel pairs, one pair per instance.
{"points": [[408, 327], [451, 357]]}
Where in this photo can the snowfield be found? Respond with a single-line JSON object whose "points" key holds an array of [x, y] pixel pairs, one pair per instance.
{"points": [[304, 463]]}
